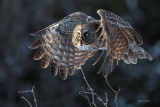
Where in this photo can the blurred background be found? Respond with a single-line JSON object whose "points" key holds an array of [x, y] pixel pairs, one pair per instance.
{"points": [[18, 71]]}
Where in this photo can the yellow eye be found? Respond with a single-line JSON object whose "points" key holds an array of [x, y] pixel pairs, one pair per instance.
{"points": [[86, 34]]}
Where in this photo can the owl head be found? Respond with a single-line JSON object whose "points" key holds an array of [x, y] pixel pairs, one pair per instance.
{"points": [[84, 35]]}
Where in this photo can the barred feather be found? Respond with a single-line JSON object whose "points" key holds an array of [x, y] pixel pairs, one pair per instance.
{"points": [[45, 61], [113, 34], [56, 48], [37, 44], [40, 53], [123, 40], [54, 69]]}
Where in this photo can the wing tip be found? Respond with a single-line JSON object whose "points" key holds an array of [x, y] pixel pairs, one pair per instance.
{"points": [[149, 57], [63, 73], [40, 33], [33, 34], [35, 58], [100, 10], [45, 65], [32, 47], [53, 69]]}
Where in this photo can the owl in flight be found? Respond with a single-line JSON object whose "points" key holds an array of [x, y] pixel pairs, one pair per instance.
{"points": [[67, 44]]}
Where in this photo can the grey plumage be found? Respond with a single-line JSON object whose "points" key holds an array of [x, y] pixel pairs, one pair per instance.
{"points": [[67, 44]]}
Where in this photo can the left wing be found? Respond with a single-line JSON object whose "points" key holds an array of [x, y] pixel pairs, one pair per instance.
{"points": [[122, 41]]}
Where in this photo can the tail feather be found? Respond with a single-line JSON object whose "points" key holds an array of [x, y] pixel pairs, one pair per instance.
{"points": [[136, 52]]}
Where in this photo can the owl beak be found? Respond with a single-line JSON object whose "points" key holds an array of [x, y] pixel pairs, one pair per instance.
{"points": [[80, 39]]}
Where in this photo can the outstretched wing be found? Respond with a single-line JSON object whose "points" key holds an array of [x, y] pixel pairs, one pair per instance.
{"points": [[122, 41], [56, 48]]}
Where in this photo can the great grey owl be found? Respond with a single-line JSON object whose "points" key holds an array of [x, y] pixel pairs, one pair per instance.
{"points": [[67, 44]]}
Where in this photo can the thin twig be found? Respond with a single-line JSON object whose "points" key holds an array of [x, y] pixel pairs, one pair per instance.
{"points": [[85, 96], [92, 93], [35, 101], [33, 94], [84, 77], [95, 95], [116, 92], [116, 96], [99, 98], [90, 89], [106, 99], [26, 101]]}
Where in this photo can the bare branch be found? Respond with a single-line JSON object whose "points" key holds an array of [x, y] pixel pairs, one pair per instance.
{"points": [[85, 96], [90, 89], [92, 93], [84, 77], [116, 92], [33, 94], [35, 101], [26, 101]]}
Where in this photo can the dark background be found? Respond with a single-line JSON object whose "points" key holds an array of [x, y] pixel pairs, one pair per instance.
{"points": [[19, 18]]}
